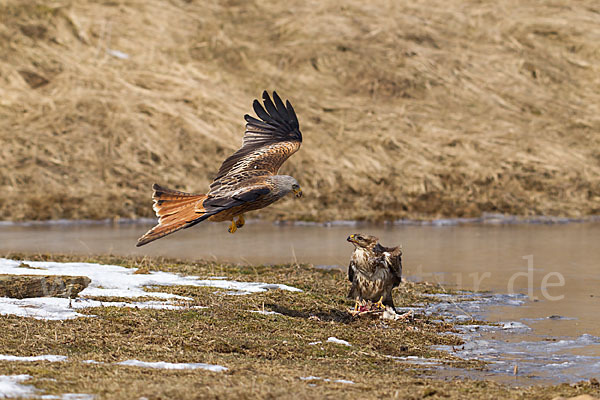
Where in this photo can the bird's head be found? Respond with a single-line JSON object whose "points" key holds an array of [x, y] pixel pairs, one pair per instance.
{"points": [[285, 184], [363, 241]]}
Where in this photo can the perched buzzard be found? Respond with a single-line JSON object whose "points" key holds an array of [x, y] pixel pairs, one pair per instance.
{"points": [[374, 271], [246, 181]]}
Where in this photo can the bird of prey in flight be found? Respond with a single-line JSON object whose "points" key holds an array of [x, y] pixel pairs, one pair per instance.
{"points": [[246, 181]]}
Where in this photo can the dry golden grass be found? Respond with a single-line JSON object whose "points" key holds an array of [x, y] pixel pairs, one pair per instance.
{"points": [[420, 109]]}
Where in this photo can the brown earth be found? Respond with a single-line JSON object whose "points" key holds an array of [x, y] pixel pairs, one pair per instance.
{"points": [[422, 109]]}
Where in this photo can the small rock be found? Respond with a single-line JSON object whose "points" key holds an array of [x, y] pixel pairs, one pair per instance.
{"points": [[27, 286]]}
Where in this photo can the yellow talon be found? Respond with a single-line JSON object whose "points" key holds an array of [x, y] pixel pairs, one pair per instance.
{"points": [[357, 305], [379, 304], [240, 222], [233, 227]]}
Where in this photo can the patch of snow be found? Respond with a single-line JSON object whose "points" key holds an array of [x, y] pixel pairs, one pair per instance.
{"points": [[313, 343], [317, 378], [154, 305], [117, 281], [264, 312], [49, 357], [69, 396], [338, 341], [10, 386], [310, 378], [92, 362], [54, 308], [243, 287], [166, 365], [110, 281], [48, 308], [416, 360]]}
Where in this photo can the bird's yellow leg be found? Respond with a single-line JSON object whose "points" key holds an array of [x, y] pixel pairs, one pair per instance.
{"points": [[379, 304], [356, 304], [240, 221], [232, 227]]}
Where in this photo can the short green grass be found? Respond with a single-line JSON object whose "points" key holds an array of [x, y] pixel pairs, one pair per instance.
{"points": [[265, 354]]}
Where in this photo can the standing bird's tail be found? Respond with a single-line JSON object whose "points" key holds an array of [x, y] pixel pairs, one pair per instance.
{"points": [[175, 210]]}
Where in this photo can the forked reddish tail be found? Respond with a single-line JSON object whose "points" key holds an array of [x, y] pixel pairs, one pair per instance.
{"points": [[175, 210]]}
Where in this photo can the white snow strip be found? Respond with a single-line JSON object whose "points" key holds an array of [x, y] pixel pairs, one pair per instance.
{"points": [[49, 357], [310, 378], [54, 308], [47, 308], [338, 341], [243, 287], [114, 280], [166, 365], [417, 360], [316, 378], [10, 386], [110, 281], [264, 312], [313, 343], [92, 362], [69, 396], [343, 381]]}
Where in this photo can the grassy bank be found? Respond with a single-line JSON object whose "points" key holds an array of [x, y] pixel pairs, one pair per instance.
{"points": [[420, 110], [266, 355]]}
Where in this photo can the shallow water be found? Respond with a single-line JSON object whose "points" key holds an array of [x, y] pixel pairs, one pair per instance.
{"points": [[557, 265]]}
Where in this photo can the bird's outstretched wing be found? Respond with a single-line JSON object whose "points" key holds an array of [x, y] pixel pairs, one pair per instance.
{"points": [[268, 142], [251, 191]]}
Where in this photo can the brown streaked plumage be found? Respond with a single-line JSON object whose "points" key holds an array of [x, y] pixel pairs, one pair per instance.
{"points": [[246, 181], [374, 270]]}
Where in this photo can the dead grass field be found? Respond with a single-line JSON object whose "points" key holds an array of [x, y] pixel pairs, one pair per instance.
{"points": [[265, 354], [413, 109]]}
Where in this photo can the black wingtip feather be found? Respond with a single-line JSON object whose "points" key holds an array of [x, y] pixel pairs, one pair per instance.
{"points": [[275, 113], [281, 107], [292, 113], [274, 118], [260, 111], [256, 123]]}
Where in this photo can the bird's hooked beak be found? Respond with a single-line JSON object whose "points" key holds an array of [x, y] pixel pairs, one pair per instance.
{"points": [[298, 192], [350, 239]]}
